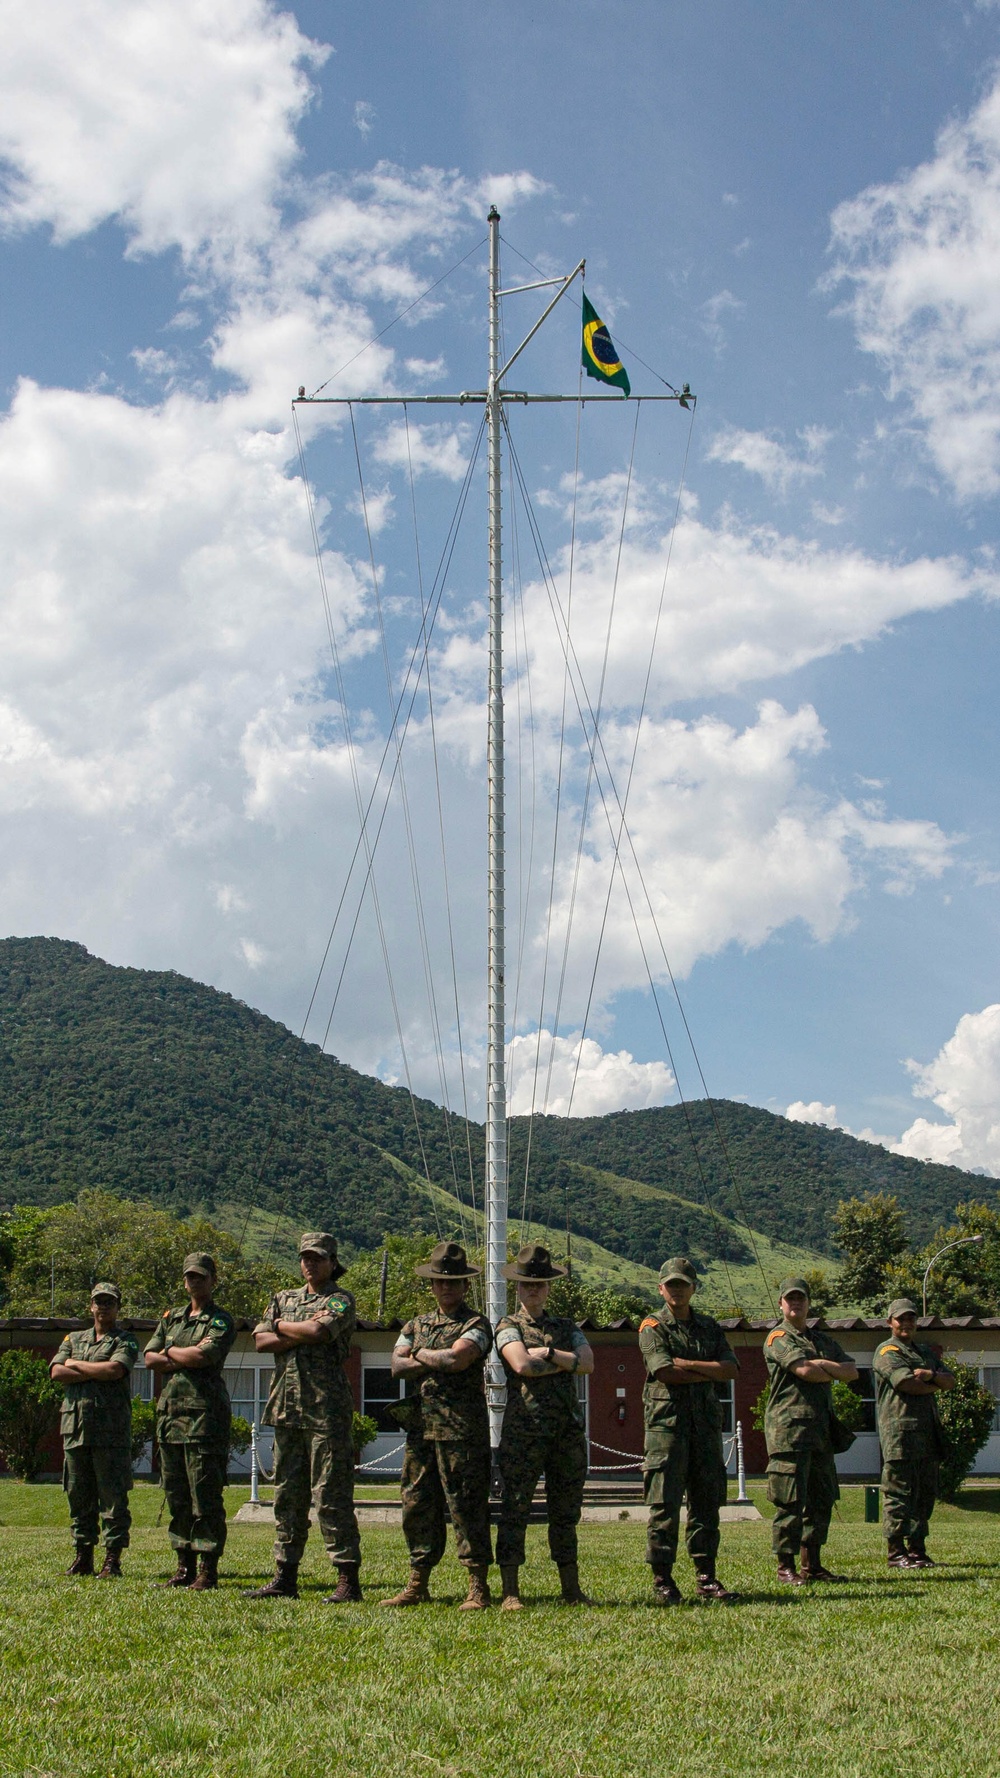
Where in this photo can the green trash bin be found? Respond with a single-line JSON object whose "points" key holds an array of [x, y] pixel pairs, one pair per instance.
{"points": [[872, 1504]]}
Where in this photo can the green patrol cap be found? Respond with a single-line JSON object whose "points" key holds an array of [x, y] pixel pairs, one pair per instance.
{"points": [[679, 1271], [199, 1262], [447, 1260], [316, 1241], [105, 1289], [902, 1306], [532, 1266], [791, 1284]]}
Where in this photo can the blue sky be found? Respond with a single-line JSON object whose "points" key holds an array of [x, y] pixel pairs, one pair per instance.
{"points": [[797, 210]]}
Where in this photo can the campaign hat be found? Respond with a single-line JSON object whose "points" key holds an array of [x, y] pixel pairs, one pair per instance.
{"points": [[447, 1260], [532, 1266]]}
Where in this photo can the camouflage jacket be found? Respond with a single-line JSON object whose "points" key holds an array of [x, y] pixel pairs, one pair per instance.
{"points": [[452, 1403], [309, 1388], [543, 1404], [908, 1425], [798, 1413], [95, 1413], [194, 1405], [671, 1407]]}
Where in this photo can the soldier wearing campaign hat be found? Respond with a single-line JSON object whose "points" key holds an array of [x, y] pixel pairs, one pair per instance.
{"points": [[802, 1366], [686, 1355], [908, 1376], [193, 1419], [96, 1425], [444, 1352], [543, 1424], [311, 1408]]}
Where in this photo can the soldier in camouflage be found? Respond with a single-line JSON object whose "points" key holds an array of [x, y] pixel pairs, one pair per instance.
{"points": [[448, 1445], [687, 1356], [311, 1409], [96, 1425], [908, 1376], [802, 1366], [543, 1424], [193, 1418]]}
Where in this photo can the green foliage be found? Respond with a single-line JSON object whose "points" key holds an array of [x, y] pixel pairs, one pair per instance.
{"points": [[143, 1426], [363, 1430], [872, 1233], [29, 1409], [137, 1245], [965, 1281], [600, 1305], [848, 1406], [406, 1295], [240, 1435], [823, 1290], [967, 1413], [759, 1408]]}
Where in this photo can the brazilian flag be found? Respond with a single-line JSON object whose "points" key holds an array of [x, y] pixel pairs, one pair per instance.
{"points": [[600, 359]]}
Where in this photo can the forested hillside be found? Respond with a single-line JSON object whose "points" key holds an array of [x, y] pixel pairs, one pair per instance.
{"points": [[162, 1088]]}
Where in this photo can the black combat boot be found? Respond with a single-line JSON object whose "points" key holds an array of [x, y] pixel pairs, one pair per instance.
{"points": [[709, 1588], [83, 1561], [112, 1569], [569, 1582], [896, 1555], [918, 1554], [285, 1584], [348, 1588], [812, 1566], [665, 1588], [187, 1568]]}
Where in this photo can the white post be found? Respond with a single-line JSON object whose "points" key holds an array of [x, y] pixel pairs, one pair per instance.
{"points": [[496, 1092], [742, 1497], [254, 1489]]}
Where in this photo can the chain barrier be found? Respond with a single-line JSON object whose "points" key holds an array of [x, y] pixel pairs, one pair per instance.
{"points": [[734, 1443]]}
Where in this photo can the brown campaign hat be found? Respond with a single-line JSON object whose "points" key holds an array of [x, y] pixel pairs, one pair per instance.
{"points": [[788, 1285], [316, 1241], [447, 1260], [679, 1270], [902, 1306], [532, 1266], [105, 1289], [199, 1262]]}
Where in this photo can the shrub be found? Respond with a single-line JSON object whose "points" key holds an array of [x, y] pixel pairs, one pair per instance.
{"points": [[143, 1426], [363, 1430], [240, 1435], [967, 1419], [29, 1409], [848, 1407]]}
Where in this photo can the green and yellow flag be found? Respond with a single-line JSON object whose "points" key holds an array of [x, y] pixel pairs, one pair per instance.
{"points": [[600, 359]]}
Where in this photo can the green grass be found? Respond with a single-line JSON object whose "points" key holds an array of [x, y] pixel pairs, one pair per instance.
{"points": [[890, 1673]]}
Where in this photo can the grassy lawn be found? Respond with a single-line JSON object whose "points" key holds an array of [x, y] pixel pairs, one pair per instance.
{"points": [[891, 1673]]}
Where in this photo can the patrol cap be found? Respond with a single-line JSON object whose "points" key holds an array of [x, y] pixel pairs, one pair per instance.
{"points": [[199, 1262], [105, 1289], [316, 1241], [791, 1284], [902, 1306], [532, 1266], [447, 1260], [678, 1271]]}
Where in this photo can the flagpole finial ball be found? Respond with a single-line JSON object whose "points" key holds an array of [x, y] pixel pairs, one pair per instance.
{"points": [[494, 214]]}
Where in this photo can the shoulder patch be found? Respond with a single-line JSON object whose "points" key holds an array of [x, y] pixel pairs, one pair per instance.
{"points": [[777, 1333], [166, 1314], [338, 1304], [219, 1321], [889, 1349], [650, 1321]]}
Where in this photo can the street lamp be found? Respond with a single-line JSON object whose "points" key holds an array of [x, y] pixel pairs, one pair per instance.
{"points": [[967, 1241]]}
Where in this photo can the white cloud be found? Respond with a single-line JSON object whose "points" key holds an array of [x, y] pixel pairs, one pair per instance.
{"points": [[574, 1074], [714, 312], [964, 1082], [364, 116], [923, 256], [762, 455], [813, 1113]]}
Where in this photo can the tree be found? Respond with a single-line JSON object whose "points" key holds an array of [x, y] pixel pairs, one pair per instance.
{"points": [[363, 1430], [240, 1435], [29, 1410], [967, 1413], [965, 1281], [872, 1233], [599, 1303], [143, 1426], [406, 1295]]}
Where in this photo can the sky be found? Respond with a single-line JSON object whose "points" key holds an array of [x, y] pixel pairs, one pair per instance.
{"points": [[782, 609]]}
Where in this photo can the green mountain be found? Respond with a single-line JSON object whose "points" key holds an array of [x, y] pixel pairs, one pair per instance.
{"points": [[162, 1088]]}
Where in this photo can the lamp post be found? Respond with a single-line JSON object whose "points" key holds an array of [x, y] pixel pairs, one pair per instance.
{"points": [[967, 1241]]}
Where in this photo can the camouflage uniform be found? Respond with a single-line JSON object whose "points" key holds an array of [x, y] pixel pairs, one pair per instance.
{"points": [[448, 1447], [801, 1473], [193, 1418], [910, 1435], [311, 1407], [683, 1439], [96, 1428], [543, 1429]]}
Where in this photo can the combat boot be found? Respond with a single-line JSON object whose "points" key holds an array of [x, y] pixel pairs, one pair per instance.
{"points": [[896, 1555], [184, 1574], [710, 1589], [348, 1588], [918, 1554], [812, 1567], [665, 1588], [789, 1575], [208, 1575], [509, 1578], [478, 1596], [112, 1569], [569, 1581], [415, 1592], [83, 1561], [285, 1584]]}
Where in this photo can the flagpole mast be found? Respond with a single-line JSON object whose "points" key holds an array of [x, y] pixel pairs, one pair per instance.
{"points": [[496, 1088]]}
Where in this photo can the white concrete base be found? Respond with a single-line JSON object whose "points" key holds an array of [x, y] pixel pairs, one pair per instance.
{"points": [[379, 1512]]}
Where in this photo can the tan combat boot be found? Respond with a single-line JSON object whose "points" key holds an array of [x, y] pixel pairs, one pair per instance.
{"points": [[569, 1580], [415, 1592], [478, 1596], [511, 1600]]}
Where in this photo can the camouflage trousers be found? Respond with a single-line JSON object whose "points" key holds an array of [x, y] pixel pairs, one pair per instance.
{"points": [[909, 1490], [97, 1480], [437, 1472], [194, 1476], [682, 1463], [524, 1454], [802, 1487], [314, 1468]]}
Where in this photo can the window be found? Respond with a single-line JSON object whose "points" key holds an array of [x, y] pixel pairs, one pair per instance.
{"points": [[726, 1393], [379, 1390], [248, 1384], [142, 1381], [865, 1387], [990, 1376]]}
